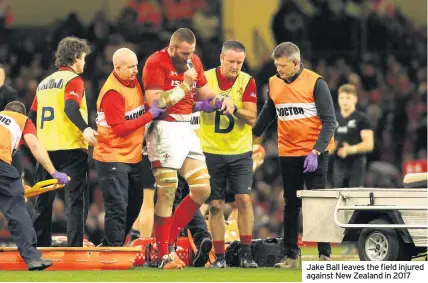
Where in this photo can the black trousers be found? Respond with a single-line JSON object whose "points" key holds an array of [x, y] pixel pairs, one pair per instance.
{"points": [[17, 161], [197, 226], [75, 164], [13, 207], [122, 187], [349, 172], [293, 180]]}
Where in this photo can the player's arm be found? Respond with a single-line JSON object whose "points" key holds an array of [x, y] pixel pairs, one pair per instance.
{"points": [[222, 103], [248, 112], [367, 143], [153, 80], [367, 139], [167, 98], [39, 152], [204, 93], [325, 110]]}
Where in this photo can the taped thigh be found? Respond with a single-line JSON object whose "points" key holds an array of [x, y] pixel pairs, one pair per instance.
{"points": [[198, 177], [166, 178]]}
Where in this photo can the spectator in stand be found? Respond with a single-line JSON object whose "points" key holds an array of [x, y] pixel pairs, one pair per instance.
{"points": [[178, 13], [206, 23], [149, 12], [7, 93]]}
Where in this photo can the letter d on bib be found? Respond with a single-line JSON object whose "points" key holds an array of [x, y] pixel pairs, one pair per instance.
{"points": [[229, 128]]}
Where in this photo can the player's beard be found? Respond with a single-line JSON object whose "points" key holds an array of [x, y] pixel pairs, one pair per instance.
{"points": [[179, 64]]}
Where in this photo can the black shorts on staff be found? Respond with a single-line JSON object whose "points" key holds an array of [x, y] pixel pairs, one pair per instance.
{"points": [[237, 170]]}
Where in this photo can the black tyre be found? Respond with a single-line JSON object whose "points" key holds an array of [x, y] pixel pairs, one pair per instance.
{"points": [[378, 244], [405, 253]]}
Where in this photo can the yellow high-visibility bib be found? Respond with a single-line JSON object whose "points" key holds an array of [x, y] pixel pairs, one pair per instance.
{"points": [[54, 129], [221, 134]]}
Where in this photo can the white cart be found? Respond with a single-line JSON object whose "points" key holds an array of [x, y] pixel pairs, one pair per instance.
{"points": [[387, 224]]}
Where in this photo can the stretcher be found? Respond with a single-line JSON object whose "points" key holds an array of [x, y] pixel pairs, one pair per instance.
{"points": [[386, 224], [80, 258], [42, 187], [71, 258], [97, 258]]}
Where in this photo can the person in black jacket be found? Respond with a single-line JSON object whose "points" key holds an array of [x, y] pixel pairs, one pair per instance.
{"points": [[354, 138], [300, 103]]}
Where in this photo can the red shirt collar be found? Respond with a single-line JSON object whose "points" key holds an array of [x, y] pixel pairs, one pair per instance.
{"points": [[66, 68], [223, 78], [125, 83]]}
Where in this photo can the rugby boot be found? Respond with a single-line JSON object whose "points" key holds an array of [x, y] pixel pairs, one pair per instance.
{"points": [[246, 260], [202, 256]]}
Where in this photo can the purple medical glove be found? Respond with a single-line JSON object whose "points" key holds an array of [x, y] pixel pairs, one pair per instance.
{"points": [[61, 177], [311, 163], [155, 110], [205, 105], [218, 103]]}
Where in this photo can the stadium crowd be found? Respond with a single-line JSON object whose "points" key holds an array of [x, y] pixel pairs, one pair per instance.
{"points": [[389, 72]]}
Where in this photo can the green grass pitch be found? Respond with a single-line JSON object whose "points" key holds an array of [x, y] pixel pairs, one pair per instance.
{"points": [[189, 274]]}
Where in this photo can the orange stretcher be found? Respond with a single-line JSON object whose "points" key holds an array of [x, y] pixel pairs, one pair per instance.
{"points": [[79, 258]]}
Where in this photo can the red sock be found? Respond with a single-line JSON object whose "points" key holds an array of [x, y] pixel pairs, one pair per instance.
{"points": [[162, 226], [182, 216], [245, 239], [219, 247]]}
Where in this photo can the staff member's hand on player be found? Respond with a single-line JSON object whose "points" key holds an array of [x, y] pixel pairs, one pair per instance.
{"points": [[155, 110], [90, 136], [205, 105]]}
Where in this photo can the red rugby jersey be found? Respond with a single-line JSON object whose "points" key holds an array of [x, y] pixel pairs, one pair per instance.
{"points": [[159, 73]]}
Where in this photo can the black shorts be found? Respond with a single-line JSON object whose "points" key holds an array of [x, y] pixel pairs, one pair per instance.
{"points": [[349, 172], [148, 178], [235, 171], [230, 196]]}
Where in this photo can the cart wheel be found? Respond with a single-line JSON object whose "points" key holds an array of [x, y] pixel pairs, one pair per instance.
{"points": [[377, 244]]}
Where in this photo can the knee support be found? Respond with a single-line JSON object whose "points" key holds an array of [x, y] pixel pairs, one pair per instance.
{"points": [[198, 177], [166, 178]]}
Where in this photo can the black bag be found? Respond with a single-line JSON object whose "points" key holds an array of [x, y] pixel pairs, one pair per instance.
{"points": [[267, 252], [232, 254]]}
